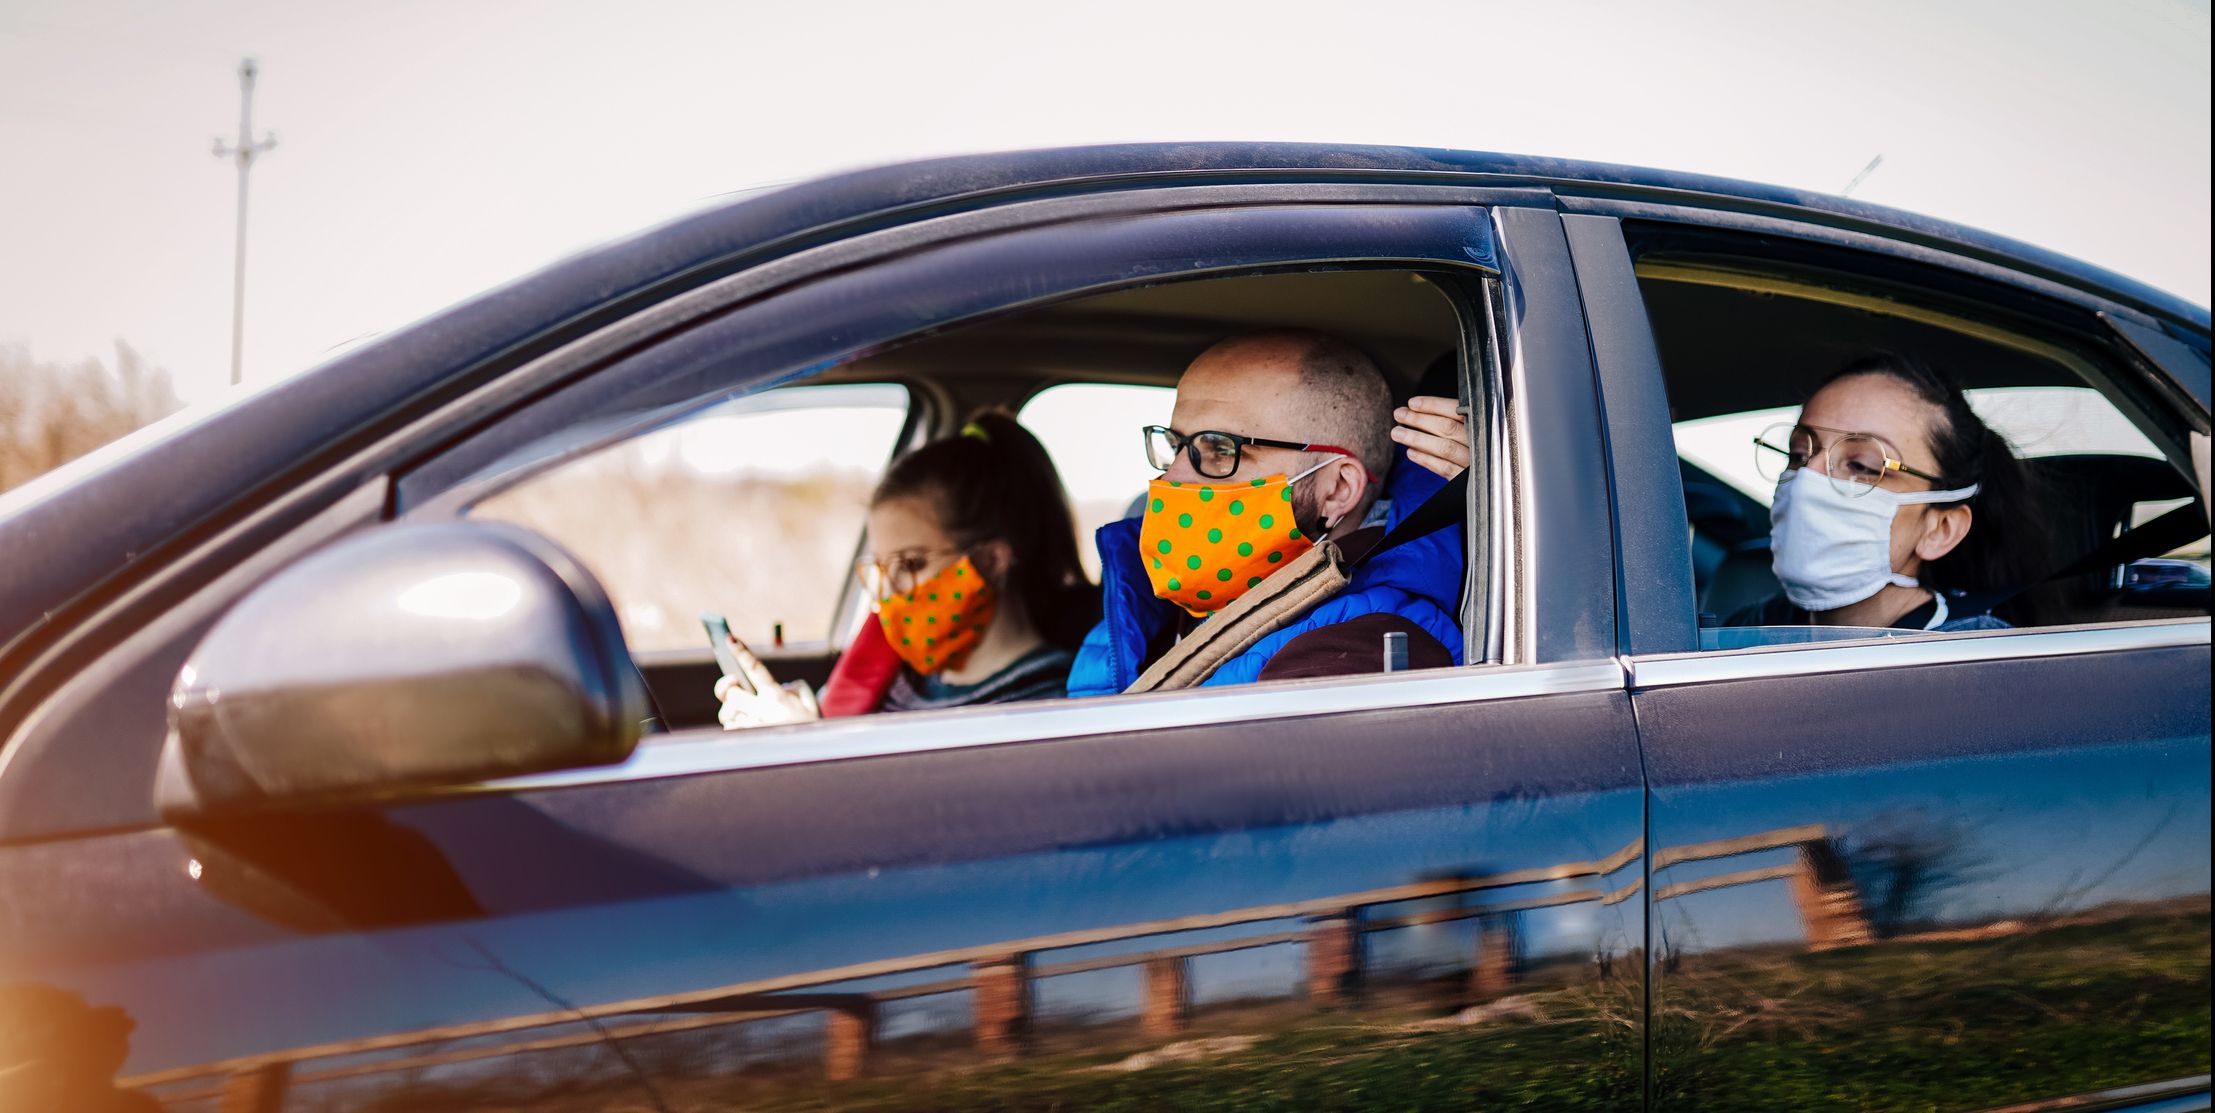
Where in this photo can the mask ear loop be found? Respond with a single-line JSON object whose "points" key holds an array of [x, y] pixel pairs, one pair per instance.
{"points": [[1927, 498], [1931, 498]]}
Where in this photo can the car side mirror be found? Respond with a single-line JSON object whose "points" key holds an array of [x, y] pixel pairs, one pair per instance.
{"points": [[409, 658]]}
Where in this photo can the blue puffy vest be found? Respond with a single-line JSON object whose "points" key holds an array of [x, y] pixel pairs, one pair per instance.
{"points": [[1420, 581]]}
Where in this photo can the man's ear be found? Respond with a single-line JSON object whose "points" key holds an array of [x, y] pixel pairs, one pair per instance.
{"points": [[1342, 490], [1943, 530]]}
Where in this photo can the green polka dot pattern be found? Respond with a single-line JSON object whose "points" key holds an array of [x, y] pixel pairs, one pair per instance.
{"points": [[954, 620], [1194, 538]]}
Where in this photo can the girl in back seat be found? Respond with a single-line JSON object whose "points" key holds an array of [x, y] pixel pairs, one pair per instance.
{"points": [[979, 594]]}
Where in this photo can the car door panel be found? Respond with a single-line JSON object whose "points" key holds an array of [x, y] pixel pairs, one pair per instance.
{"points": [[1904, 882], [1225, 856]]}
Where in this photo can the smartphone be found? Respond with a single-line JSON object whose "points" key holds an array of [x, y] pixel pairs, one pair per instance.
{"points": [[719, 640]]}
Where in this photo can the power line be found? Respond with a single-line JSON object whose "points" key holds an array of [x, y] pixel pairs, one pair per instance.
{"points": [[244, 153]]}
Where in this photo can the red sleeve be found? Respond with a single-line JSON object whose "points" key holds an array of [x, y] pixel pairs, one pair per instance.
{"points": [[1353, 647], [862, 675]]}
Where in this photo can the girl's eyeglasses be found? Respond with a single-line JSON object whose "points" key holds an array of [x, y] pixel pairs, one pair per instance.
{"points": [[899, 573]]}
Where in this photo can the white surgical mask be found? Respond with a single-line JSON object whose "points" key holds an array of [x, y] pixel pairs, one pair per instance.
{"points": [[1833, 550]]}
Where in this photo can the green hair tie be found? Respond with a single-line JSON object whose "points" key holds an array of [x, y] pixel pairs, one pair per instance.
{"points": [[975, 430]]}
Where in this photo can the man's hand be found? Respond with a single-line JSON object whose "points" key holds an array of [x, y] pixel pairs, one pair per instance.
{"points": [[1434, 434], [753, 698]]}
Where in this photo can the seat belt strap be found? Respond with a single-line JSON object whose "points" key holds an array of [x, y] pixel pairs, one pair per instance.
{"points": [[2183, 524], [1447, 506]]}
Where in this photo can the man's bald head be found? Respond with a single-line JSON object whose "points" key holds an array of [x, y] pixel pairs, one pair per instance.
{"points": [[1291, 384]]}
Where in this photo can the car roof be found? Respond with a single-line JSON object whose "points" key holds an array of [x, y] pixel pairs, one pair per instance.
{"points": [[927, 183]]}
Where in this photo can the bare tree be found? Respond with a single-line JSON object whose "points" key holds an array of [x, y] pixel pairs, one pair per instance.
{"points": [[1904, 861]]}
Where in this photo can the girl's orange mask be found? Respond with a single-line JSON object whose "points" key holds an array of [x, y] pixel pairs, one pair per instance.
{"points": [[940, 622], [1206, 544]]}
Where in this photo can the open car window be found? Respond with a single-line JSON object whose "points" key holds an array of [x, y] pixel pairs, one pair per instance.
{"points": [[756, 508], [752, 509], [1743, 344]]}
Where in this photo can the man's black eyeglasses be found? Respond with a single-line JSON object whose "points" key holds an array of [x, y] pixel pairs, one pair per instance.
{"points": [[1215, 454]]}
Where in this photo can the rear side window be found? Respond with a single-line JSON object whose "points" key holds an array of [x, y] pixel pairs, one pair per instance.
{"points": [[753, 508], [1742, 346]]}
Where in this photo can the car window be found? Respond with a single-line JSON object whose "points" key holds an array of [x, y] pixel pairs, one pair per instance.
{"points": [[757, 509], [753, 508], [1092, 432], [1740, 349]]}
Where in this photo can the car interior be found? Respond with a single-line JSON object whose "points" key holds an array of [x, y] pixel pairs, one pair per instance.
{"points": [[1143, 336], [1738, 335]]}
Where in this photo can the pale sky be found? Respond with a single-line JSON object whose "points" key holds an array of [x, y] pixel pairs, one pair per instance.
{"points": [[430, 150]]}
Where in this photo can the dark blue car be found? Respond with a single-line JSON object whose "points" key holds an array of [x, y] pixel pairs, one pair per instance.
{"points": [[357, 750]]}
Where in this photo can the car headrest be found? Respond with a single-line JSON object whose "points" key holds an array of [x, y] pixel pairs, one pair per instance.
{"points": [[1441, 378], [2115, 482]]}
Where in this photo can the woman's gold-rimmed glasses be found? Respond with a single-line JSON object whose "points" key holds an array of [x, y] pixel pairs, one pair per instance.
{"points": [[1856, 463]]}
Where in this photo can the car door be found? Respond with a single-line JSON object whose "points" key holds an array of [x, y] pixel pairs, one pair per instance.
{"points": [[1414, 890], [1950, 871]]}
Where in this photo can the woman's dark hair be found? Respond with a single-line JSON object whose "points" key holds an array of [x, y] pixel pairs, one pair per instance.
{"points": [[2008, 545], [994, 482]]}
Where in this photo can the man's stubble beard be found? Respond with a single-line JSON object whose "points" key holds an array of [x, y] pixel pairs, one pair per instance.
{"points": [[1305, 514]]}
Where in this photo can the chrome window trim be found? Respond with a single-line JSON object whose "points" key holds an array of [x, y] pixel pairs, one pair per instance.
{"points": [[1500, 554], [1510, 480], [689, 753], [1683, 669], [2177, 1095]]}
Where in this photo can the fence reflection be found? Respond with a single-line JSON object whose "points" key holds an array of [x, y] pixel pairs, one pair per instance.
{"points": [[1001, 977]]}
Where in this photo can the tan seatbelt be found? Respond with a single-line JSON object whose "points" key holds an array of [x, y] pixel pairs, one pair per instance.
{"points": [[1291, 592]]}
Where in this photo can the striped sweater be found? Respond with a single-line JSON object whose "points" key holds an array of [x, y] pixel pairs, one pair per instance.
{"points": [[1042, 673]]}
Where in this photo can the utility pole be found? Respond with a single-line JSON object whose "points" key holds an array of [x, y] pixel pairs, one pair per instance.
{"points": [[244, 153]]}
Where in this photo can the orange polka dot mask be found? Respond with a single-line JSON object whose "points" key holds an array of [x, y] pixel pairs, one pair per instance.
{"points": [[940, 622], [1205, 544]]}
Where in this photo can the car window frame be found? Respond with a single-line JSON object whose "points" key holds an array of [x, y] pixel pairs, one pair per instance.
{"points": [[1197, 229], [413, 500], [1523, 304], [1630, 375]]}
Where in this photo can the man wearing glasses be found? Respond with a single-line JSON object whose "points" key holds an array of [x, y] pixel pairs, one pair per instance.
{"points": [[1251, 557]]}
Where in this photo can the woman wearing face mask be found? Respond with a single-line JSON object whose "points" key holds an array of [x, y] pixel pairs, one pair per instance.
{"points": [[974, 572], [1894, 502]]}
